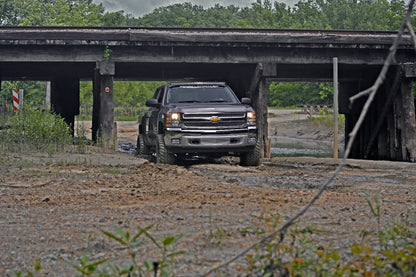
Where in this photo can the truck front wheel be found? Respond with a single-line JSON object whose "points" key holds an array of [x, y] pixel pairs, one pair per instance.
{"points": [[142, 149], [252, 157], [162, 154]]}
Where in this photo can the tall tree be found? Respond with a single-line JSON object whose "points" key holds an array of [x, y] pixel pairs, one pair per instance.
{"points": [[266, 14], [57, 12], [8, 13], [177, 15]]}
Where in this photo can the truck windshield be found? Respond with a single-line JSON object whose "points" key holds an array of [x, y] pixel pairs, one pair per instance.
{"points": [[200, 94]]}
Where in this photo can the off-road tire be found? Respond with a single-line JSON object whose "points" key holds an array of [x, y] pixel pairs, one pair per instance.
{"points": [[252, 157], [162, 154], [142, 149]]}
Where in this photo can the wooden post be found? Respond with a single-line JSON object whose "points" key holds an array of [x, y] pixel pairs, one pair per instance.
{"points": [[269, 148], [95, 105], [335, 61], [48, 95], [409, 122]]}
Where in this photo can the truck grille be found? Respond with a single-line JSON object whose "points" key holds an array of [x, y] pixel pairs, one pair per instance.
{"points": [[223, 121]]}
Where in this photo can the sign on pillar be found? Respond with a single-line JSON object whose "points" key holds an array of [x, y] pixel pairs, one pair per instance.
{"points": [[15, 100]]}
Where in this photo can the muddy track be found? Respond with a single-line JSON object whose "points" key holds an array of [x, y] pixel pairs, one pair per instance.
{"points": [[53, 208]]}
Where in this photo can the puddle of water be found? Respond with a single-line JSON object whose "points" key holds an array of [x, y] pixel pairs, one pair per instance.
{"points": [[127, 147], [295, 147], [294, 152]]}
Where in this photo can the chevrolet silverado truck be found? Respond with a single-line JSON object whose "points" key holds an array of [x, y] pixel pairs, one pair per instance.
{"points": [[198, 120]]}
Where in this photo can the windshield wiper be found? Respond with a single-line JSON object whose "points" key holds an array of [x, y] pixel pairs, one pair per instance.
{"points": [[188, 101], [217, 101]]}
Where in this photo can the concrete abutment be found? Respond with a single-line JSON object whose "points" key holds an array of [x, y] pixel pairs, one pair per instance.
{"points": [[389, 129]]}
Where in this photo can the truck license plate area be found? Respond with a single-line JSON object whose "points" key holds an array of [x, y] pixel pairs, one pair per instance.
{"points": [[213, 141]]}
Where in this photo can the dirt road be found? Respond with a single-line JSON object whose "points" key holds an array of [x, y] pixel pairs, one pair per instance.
{"points": [[53, 208]]}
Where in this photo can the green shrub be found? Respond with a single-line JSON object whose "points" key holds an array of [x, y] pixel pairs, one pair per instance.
{"points": [[35, 130]]}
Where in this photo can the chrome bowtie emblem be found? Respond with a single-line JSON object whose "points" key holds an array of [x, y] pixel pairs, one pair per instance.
{"points": [[214, 119]]}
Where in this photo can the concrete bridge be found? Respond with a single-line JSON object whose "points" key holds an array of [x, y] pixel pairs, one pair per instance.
{"points": [[245, 58]]}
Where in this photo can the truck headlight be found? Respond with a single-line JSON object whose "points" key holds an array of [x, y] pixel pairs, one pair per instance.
{"points": [[172, 120], [251, 118]]}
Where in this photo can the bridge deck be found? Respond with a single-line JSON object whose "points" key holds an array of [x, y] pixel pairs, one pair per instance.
{"points": [[176, 36]]}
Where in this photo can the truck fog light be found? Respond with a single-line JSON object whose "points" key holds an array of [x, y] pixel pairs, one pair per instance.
{"points": [[175, 141], [252, 140]]}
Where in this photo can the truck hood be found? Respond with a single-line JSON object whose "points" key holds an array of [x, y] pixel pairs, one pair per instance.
{"points": [[214, 108]]}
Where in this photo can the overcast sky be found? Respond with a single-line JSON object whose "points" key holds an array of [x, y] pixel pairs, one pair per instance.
{"points": [[142, 7]]}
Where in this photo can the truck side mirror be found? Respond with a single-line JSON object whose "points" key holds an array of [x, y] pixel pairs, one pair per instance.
{"points": [[246, 101], [152, 103]]}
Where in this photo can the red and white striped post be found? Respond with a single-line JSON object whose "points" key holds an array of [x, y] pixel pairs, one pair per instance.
{"points": [[15, 100]]}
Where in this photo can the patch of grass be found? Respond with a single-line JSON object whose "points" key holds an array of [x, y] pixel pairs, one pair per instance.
{"points": [[126, 118], [130, 244], [111, 170], [216, 235], [327, 121], [83, 117], [296, 254]]}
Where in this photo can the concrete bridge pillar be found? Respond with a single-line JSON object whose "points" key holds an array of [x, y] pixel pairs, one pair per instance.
{"points": [[103, 126], [258, 93], [65, 98], [406, 120]]}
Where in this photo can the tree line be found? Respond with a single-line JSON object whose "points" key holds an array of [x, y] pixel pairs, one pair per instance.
{"points": [[305, 14]]}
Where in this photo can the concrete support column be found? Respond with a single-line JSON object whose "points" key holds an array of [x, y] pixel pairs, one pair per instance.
{"points": [[258, 94], [103, 126], [65, 98], [259, 103], [261, 116]]}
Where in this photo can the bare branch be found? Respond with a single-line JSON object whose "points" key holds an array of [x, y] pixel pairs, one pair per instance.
{"points": [[371, 92], [412, 33], [361, 94]]}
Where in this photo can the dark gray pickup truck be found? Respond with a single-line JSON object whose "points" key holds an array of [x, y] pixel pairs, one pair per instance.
{"points": [[192, 120]]}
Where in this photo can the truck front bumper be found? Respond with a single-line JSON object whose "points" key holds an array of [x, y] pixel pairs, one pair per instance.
{"points": [[181, 142]]}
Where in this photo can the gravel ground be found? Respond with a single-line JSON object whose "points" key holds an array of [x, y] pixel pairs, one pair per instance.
{"points": [[53, 208], [54, 212]]}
